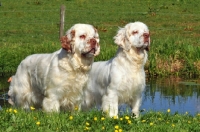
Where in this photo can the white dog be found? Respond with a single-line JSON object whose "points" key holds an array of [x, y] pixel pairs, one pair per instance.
{"points": [[55, 81], [122, 78]]}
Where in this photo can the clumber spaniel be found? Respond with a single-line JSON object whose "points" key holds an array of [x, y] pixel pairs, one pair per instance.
{"points": [[55, 81], [122, 78]]}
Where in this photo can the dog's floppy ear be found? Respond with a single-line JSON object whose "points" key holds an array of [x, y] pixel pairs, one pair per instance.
{"points": [[66, 41], [120, 39]]}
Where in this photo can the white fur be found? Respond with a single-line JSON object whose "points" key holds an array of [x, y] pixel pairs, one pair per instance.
{"points": [[122, 78], [55, 81]]}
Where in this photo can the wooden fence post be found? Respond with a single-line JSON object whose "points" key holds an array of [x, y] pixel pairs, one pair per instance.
{"points": [[62, 19]]}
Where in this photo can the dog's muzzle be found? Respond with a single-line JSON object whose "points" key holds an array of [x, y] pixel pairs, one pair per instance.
{"points": [[93, 47]]}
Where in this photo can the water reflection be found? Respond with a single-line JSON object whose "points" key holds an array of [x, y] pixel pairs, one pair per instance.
{"points": [[178, 95], [172, 93]]}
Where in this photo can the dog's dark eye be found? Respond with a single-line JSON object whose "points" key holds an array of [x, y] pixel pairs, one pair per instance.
{"points": [[82, 36], [134, 32]]}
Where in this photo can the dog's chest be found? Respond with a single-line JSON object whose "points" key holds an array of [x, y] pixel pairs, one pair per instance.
{"points": [[73, 92], [75, 83], [68, 88], [131, 85]]}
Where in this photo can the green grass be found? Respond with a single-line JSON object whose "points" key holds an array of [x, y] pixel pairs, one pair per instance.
{"points": [[96, 121], [32, 26]]}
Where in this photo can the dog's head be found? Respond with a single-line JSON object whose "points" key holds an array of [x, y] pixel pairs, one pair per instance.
{"points": [[133, 35], [82, 39]]}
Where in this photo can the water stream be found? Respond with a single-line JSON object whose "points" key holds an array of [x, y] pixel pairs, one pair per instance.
{"points": [[178, 95]]}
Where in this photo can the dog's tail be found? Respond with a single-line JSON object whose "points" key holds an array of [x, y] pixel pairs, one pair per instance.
{"points": [[9, 79], [10, 92]]}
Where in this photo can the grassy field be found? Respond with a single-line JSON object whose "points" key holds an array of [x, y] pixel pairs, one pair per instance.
{"points": [[96, 121], [32, 26]]}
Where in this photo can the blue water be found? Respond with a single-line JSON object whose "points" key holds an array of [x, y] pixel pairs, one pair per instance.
{"points": [[176, 103], [160, 95], [179, 96]]}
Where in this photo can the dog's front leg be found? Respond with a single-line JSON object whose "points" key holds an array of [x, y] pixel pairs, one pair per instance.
{"points": [[135, 103], [110, 103], [51, 105]]}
